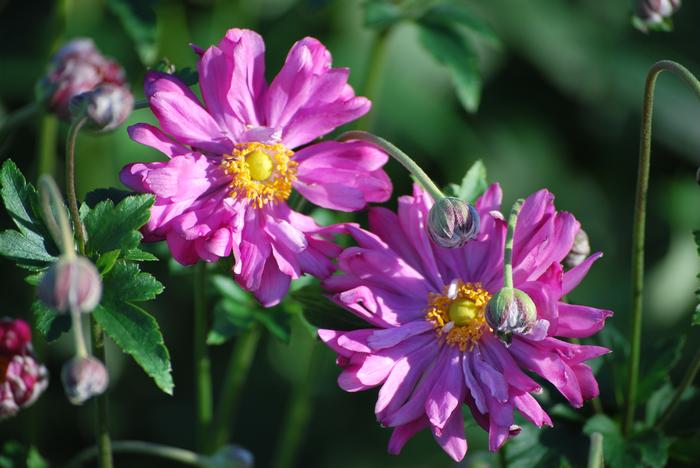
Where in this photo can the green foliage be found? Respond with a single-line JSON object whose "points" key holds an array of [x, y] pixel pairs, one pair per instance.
{"points": [[473, 184], [321, 312], [50, 323], [139, 21], [15, 455], [448, 14], [382, 14], [656, 371]]}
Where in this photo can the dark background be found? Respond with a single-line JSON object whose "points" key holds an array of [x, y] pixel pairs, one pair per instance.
{"points": [[560, 109]]}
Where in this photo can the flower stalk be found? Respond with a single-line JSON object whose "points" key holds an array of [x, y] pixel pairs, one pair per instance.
{"points": [[143, 448], [639, 226], [595, 452], [373, 74], [202, 365], [508, 253], [70, 181]]}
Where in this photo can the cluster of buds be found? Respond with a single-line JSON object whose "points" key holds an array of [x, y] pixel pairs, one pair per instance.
{"points": [[82, 82], [22, 377], [452, 222], [654, 15]]}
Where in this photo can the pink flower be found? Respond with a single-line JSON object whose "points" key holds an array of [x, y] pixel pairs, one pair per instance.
{"points": [[232, 167], [429, 346], [22, 378]]}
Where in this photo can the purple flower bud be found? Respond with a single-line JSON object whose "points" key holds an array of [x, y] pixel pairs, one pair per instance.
{"points": [[579, 251], [231, 456], [512, 312], [106, 107], [84, 378], [71, 283], [76, 68], [452, 222], [22, 380], [655, 14]]}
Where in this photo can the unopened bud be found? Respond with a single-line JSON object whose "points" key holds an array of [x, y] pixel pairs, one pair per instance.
{"points": [[452, 222], [84, 378], [106, 107], [231, 456], [22, 380], [511, 312], [15, 336], [72, 283], [579, 251], [655, 14]]}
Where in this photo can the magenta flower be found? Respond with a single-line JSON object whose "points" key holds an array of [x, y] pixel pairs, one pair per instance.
{"points": [[429, 346], [232, 163], [22, 378]]}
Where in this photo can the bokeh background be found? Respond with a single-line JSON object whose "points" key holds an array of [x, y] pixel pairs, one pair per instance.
{"points": [[560, 109]]}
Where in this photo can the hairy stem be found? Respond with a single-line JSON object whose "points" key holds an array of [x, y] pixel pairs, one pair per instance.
{"points": [[373, 75], [202, 365], [145, 448], [639, 226], [688, 378], [405, 160], [508, 254], [236, 374], [70, 181]]}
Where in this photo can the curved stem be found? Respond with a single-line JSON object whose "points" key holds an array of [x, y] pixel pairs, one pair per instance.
{"points": [[639, 226], [70, 181], [373, 75], [595, 453], [400, 156], [236, 373], [688, 378], [17, 118], [202, 365], [104, 443], [176, 454], [508, 255]]}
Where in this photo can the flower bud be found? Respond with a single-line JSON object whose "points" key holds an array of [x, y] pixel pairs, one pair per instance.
{"points": [[71, 283], [655, 14], [106, 107], [84, 378], [22, 380], [511, 311], [76, 68], [579, 251], [15, 337], [452, 222], [231, 456]]}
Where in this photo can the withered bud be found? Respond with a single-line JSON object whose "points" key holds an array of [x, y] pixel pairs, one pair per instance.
{"points": [[452, 222], [512, 312], [106, 107], [84, 378], [579, 251], [71, 283]]}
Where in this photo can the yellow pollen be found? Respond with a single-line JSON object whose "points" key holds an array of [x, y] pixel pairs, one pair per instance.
{"points": [[260, 172], [463, 315]]}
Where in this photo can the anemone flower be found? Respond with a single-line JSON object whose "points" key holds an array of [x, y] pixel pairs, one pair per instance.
{"points": [[234, 161], [428, 344]]}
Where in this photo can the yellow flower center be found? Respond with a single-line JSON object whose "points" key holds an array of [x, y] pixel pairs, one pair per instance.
{"points": [[458, 315], [260, 172]]}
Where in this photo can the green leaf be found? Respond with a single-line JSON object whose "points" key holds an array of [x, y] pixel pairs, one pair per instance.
{"points": [[659, 400], [451, 49], [24, 251], [138, 255], [106, 261], [473, 184], [656, 371], [449, 14], [50, 323], [321, 312], [613, 442], [127, 283], [14, 455], [230, 319], [139, 21], [382, 13], [111, 227]]}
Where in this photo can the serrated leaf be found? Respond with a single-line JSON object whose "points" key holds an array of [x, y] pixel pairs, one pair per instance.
{"points": [[50, 323], [24, 251], [321, 312], [138, 255], [474, 183], [126, 282], [452, 50], [139, 21], [111, 227], [449, 14]]}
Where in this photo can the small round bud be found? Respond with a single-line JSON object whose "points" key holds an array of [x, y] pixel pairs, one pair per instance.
{"points": [[452, 222], [231, 456], [84, 378], [106, 107], [511, 311], [579, 251], [655, 14], [71, 283]]}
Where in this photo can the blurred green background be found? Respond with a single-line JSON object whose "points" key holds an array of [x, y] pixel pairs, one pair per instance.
{"points": [[560, 109]]}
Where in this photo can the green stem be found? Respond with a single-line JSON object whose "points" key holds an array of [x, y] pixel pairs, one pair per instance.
{"points": [[48, 136], [70, 181], [297, 416], [688, 378], [17, 118], [144, 448], [400, 156], [241, 359], [202, 365], [104, 444], [639, 226], [373, 75], [508, 255], [141, 104], [595, 453]]}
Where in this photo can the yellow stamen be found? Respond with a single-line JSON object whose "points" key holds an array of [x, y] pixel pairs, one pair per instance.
{"points": [[465, 312], [260, 173]]}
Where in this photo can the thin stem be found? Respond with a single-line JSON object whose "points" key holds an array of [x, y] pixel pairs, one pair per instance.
{"points": [[202, 365], [70, 181], [508, 255], [176, 454], [141, 104], [78, 337], [688, 378], [17, 118], [400, 156], [595, 453], [639, 226], [104, 443], [48, 136], [373, 75], [236, 373]]}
